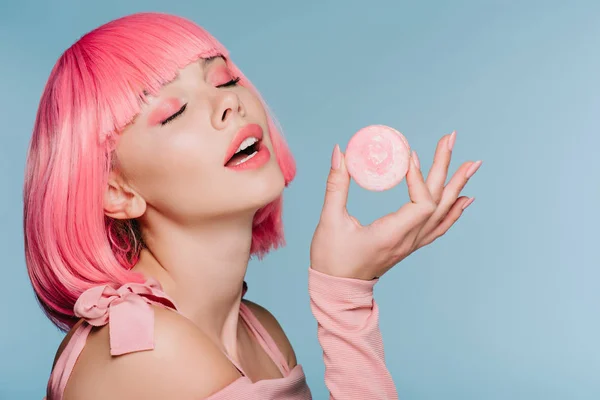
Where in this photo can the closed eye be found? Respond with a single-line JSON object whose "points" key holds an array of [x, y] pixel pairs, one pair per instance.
{"points": [[232, 82], [172, 117]]}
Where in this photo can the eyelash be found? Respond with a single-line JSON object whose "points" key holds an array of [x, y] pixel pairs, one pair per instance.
{"points": [[172, 117], [232, 82]]}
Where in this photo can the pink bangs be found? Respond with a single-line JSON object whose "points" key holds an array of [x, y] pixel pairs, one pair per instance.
{"points": [[95, 89]]}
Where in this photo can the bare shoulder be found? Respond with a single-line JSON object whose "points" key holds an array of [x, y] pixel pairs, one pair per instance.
{"points": [[65, 341], [275, 330], [184, 364]]}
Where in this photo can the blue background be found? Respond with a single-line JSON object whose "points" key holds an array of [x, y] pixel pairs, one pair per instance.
{"points": [[506, 305]]}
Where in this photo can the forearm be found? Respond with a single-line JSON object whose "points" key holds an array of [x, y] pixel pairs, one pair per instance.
{"points": [[348, 331]]}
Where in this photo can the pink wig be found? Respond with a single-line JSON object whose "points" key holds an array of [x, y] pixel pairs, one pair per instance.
{"points": [[95, 90]]}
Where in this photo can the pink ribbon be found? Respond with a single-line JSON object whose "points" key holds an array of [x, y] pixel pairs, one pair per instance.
{"points": [[129, 311]]}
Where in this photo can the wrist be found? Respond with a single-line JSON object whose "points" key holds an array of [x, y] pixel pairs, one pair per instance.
{"points": [[339, 273]]}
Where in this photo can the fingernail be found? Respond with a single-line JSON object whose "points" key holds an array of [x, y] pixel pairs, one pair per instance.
{"points": [[415, 158], [451, 140], [468, 203], [336, 158], [473, 168]]}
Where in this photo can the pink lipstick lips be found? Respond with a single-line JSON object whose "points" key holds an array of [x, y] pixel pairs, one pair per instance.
{"points": [[246, 150]]}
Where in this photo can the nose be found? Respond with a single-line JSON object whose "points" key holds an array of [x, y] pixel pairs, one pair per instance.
{"points": [[227, 107]]}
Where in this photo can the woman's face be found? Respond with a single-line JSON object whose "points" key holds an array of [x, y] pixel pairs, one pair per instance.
{"points": [[178, 154]]}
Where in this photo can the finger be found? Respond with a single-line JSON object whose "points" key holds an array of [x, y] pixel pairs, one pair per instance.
{"points": [[450, 194], [338, 182], [438, 173], [414, 214], [456, 185], [417, 189], [459, 206]]}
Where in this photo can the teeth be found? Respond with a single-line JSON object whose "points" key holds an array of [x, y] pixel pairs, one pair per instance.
{"points": [[247, 158], [246, 143]]}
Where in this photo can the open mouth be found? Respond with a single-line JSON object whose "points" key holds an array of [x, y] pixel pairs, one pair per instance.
{"points": [[246, 151]]}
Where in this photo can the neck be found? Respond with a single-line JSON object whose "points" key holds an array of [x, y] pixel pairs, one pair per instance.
{"points": [[202, 269]]}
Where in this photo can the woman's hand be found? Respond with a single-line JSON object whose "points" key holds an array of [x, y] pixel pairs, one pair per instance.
{"points": [[342, 247]]}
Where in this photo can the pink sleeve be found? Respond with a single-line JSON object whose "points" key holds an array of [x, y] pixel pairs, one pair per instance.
{"points": [[348, 330]]}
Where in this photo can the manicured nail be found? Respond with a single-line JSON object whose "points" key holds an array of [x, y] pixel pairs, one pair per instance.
{"points": [[468, 203], [451, 140], [415, 158], [473, 168], [336, 158]]}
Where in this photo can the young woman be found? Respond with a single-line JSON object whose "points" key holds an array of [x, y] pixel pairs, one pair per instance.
{"points": [[154, 174]]}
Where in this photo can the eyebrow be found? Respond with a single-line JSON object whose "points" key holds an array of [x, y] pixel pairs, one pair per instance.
{"points": [[205, 62], [208, 60]]}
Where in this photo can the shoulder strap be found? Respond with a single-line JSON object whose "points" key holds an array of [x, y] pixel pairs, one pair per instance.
{"points": [[129, 310], [264, 339], [65, 363]]}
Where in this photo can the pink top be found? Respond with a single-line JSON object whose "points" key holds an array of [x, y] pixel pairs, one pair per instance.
{"points": [[348, 332]]}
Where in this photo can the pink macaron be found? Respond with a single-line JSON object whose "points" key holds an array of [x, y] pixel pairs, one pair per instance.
{"points": [[377, 157]]}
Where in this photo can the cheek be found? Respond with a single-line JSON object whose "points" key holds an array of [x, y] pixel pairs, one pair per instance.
{"points": [[253, 105], [259, 110], [168, 166], [256, 112]]}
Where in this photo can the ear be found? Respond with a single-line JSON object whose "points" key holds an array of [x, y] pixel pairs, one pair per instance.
{"points": [[121, 201]]}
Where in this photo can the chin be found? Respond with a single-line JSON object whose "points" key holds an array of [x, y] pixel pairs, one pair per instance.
{"points": [[264, 189], [270, 189]]}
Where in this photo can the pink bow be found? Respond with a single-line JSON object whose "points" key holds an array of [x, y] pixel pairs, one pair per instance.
{"points": [[129, 311]]}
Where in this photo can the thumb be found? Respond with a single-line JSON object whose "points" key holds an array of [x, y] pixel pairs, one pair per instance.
{"points": [[338, 182]]}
